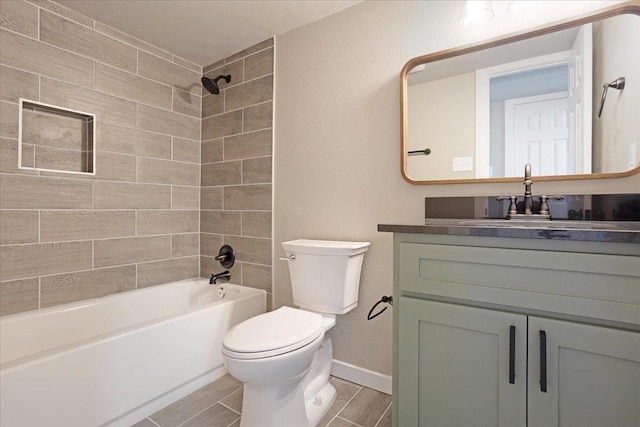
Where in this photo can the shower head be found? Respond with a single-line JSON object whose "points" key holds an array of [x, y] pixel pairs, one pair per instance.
{"points": [[212, 85]]}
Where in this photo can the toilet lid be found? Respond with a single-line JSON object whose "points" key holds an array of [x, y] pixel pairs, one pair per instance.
{"points": [[270, 334]]}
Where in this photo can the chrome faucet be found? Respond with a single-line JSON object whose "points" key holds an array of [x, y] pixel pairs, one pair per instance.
{"points": [[528, 201], [225, 275]]}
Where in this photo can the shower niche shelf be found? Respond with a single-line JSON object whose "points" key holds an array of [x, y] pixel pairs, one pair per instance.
{"points": [[56, 139]]}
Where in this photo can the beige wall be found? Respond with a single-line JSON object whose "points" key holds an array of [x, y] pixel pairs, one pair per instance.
{"points": [[447, 126], [236, 166], [336, 150]]}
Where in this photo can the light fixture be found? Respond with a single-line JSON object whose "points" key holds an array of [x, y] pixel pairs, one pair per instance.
{"points": [[520, 6], [476, 12]]}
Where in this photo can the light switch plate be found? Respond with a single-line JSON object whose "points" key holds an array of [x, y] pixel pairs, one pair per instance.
{"points": [[461, 164]]}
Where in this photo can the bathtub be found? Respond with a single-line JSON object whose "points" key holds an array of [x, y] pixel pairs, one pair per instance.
{"points": [[114, 360]]}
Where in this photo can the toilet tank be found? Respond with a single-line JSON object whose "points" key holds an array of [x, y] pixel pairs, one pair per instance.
{"points": [[325, 275]]}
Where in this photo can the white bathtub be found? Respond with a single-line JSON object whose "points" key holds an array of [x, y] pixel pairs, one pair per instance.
{"points": [[114, 360]]}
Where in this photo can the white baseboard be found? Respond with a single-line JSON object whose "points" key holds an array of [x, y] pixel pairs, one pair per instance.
{"points": [[361, 376]]}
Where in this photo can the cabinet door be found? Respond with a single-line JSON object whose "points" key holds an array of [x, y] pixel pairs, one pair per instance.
{"points": [[592, 375], [454, 366]]}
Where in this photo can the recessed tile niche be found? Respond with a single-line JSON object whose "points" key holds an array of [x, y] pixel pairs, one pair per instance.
{"points": [[56, 139]]}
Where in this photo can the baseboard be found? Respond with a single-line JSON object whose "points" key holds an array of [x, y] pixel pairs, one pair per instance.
{"points": [[361, 376]]}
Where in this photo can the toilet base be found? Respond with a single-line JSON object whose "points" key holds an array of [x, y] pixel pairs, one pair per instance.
{"points": [[299, 403]]}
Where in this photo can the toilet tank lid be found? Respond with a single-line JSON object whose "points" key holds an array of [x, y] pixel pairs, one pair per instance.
{"points": [[325, 247]]}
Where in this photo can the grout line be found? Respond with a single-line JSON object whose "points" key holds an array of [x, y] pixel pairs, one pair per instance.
{"points": [[383, 414], [344, 406], [351, 423], [153, 422]]}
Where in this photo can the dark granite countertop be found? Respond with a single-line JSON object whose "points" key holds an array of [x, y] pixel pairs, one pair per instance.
{"points": [[594, 231]]}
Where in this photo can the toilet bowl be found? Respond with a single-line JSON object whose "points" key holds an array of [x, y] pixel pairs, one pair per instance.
{"points": [[283, 357]]}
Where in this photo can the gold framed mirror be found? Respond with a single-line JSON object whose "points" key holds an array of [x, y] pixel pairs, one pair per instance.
{"points": [[478, 113]]}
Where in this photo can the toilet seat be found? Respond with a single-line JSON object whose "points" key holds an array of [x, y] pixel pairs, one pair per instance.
{"points": [[271, 334]]}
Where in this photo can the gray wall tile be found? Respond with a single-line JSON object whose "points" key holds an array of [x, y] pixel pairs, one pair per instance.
{"points": [[222, 125], [166, 222], [212, 150], [255, 48], [256, 171], [168, 73], [186, 150], [18, 227], [114, 195], [248, 197], [116, 167], [22, 261], [186, 103], [185, 245], [212, 104], [108, 108], [8, 120], [220, 222], [61, 159], [254, 144], [71, 287], [235, 69], [223, 173], [210, 245], [258, 117], [9, 157], [133, 141], [185, 197], [127, 85], [39, 192], [248, 249], [16, 84], [158, 272], [19, 295], [74, 37], [53, 130], [259, 64], [168, 172], [249, 93], [167, 122], [110, 31], [256, 224], [211, 198], [30, 55], [111, 252], [256, 276], [20, 17], [187, 64], [85, 224], [64, 11]]}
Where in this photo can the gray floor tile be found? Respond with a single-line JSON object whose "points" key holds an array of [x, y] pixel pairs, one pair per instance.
{"points": [[366, 408], [234, 400], [180, 411], [145, 423], [385, 421], [346, 391], [215, 416], [340, 422]]}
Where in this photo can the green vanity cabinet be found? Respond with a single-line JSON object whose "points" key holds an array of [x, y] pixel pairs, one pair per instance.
{"points": [[515, 332]]}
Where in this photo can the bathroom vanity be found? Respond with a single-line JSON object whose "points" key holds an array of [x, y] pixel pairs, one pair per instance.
{"points": [[507, 324]]}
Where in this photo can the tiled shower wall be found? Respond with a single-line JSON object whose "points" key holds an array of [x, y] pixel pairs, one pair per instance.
{"points": [[236, 175], [136, 223]]}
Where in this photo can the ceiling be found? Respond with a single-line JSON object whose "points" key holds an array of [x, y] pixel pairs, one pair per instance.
{"points": [[206, 31]]}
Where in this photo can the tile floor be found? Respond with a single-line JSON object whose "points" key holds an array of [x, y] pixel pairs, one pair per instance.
{"points": [[219, 404]]}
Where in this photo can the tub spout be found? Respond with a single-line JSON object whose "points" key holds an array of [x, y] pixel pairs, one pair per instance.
{"points": [[225, 275]]}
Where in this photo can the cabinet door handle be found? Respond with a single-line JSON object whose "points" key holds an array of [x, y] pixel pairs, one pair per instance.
{"points": [[512, 355], [543, 361]]}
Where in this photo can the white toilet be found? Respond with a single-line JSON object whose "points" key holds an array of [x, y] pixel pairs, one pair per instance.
{"points": [[283, 357]]}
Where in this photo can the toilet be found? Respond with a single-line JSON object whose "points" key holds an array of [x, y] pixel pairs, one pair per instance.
{"points": [[283, 357]]}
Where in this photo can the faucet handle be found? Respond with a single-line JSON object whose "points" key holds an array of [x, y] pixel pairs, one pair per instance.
{"points": [[544, 206], [513, 207]]}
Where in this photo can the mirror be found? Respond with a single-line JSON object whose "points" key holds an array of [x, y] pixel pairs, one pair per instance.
{"points": [[479, 113]]}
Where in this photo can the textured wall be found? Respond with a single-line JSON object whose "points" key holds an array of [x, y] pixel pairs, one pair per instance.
{"points": [[336, 151], [66, 237], [236, 166]]}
